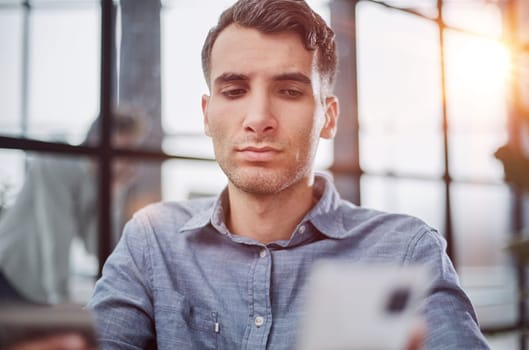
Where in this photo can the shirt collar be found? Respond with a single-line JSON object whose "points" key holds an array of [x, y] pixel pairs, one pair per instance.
{"points": [[324, 216]]}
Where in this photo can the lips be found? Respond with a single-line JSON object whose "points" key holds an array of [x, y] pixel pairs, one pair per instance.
{"points": [[258, 154]]}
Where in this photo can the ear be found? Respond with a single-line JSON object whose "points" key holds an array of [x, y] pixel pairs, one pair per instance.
{"points": [[205, 101], [332, 112]]}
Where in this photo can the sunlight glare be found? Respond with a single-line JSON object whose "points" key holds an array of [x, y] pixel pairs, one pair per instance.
{"points": [[483, 62]]}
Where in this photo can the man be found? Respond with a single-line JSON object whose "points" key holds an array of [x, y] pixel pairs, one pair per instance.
{"points": [[230, 272]]}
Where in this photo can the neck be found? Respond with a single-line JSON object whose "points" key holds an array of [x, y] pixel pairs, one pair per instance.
{"points": [[268, 218]]}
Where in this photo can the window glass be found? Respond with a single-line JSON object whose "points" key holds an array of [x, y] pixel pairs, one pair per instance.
{"points": [[472, 155], [183, 179], [477, 73], [481, 224], [478, 16], [399, 92], [410, 152], [426, 7], [481, 216], [11, 22], [423, 199], [64, 72], [507, 340], [520, 72]]}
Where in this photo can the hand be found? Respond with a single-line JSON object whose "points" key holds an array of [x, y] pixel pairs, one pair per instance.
{"points": [[418, 334], [69, 341]]}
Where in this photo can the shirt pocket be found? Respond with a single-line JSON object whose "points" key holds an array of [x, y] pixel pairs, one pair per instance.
{"points": [[181, 325]]}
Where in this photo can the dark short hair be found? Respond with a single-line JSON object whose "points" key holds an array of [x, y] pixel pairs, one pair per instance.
{"points": [[126, 120], [279, 16]]}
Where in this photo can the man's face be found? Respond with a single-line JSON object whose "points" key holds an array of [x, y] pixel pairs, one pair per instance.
{"points": [[266, 111]]}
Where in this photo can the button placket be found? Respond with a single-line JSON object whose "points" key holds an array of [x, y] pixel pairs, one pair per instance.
{"points": [[261, 319]]}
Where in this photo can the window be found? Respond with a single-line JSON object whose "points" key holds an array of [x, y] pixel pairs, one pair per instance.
{"points": [[435, 102]]}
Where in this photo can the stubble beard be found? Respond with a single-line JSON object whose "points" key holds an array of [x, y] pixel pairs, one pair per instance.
{"points": [[260, 180], [263, 179]]}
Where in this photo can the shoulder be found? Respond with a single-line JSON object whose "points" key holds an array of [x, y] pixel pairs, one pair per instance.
{"points": [[396, 236], [354, 219], [172, 216], [154, 228], [180, 209], [339, 219]]}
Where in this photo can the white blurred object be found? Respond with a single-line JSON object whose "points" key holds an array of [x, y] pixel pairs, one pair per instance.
{"points": [[359, 306]]}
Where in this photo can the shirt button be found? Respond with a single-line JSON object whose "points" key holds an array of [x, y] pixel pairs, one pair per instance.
{"points": [[301, 229], [262, 253], [259, 321]]}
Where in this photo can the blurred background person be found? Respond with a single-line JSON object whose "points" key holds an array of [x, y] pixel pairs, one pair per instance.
{"points": [[58, 202]]}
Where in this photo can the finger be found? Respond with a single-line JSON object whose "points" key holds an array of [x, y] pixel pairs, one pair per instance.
{"points": [[417, 337], [54, 342], [69, 342]]}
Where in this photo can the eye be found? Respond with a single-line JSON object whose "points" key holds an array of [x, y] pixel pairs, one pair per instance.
{"points": [[234, 93], [291, 93]]}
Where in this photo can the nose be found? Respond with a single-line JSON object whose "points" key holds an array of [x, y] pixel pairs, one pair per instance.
{"points": [[260, 119]]}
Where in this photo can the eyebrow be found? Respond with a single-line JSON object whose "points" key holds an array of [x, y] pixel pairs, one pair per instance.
{"points": [[299, 77], [227, 77]]}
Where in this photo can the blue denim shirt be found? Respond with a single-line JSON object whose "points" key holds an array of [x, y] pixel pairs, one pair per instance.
{"points": [[180, 280]]}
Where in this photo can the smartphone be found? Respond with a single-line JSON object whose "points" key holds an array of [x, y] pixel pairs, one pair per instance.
{"points": [[361, 306]]}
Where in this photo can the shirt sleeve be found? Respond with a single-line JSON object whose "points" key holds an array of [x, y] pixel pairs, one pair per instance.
{"points": [[450, 317], [122, 300]]}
